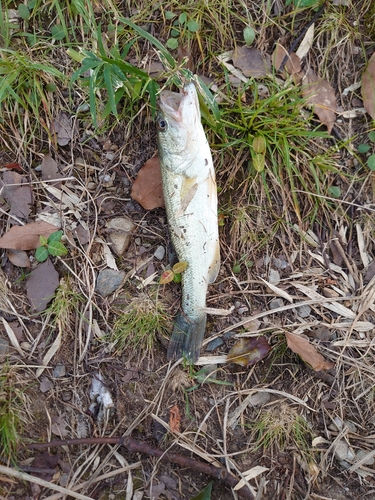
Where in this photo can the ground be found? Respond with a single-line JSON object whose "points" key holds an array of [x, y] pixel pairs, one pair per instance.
{"points": [[83, 353]]}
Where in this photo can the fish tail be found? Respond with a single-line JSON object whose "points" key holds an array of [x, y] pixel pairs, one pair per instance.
{"points": [[187, 338]]}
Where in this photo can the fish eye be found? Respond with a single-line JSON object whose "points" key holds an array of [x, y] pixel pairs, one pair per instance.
{"points": [[162, 125]]}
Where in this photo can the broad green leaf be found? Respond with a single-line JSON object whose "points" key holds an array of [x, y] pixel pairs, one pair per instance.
{"points": [[43, 240], [56, 248], [172, 43], [182, 18], [51, 87], [23, 11], [41, 254], [58, 32], [371, 136], [334, 191], [363, 148], [169, 15], [177, 278], [259, 162], [56, 236], [259, 144], [236, 268], [180, 267], [204, 494], [371, 162], [248, 35], [192, 25]]}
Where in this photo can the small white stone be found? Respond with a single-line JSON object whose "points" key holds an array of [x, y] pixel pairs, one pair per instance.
{"points": [[159, 253]]}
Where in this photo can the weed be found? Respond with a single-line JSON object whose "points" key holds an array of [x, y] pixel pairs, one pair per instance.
{"points": [[12, 402], [366, 147], [50, 246], [65, 305], [138, 325]]}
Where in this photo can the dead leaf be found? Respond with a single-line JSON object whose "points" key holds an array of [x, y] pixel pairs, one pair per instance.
{"points": [[248, 351], [251, 62], [368, 87], [147, 188], [14, 166], [50, 170], [17, 192], [293, 62], [26, 237], [58, 426], [18, 258], [321, 97], [319, 332], [41, 285], [45, 461], [175, 419], [307, 351], [63, 128], [183, 53]]}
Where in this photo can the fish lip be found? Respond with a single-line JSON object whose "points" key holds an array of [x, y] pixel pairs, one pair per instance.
{"points": [[172, 103]]}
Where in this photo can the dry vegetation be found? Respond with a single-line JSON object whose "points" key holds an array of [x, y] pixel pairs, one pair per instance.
{"points": [[297, 243]]}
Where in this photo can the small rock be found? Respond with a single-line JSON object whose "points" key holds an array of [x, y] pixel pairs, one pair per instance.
{"points": [[108, 281], [64, 479], [214, 344], [45, 385], [121, 231], [276, 303], [59, 371], [303, 311], [259, 398], [280, 263], [159, 253], [362, 454], [274, 277], [243, 309], [344, 464], [4, 347], [229, 335], [342, 451], [351, 425], [138, 241]]}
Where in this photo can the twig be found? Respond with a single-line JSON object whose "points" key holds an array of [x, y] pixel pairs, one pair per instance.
{"points": [[135, 446]]}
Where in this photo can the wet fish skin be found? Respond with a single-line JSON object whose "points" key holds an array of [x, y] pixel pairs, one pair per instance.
{"points": [[190, 196]]}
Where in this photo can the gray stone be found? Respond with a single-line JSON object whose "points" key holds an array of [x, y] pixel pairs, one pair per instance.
{"points": [[362, 454], [4, 347], [259, 398], [276, 303], [229, 335], [59, 371], [303, 311], [274, 277], [214, 344], [159, 253], [108, 281]]}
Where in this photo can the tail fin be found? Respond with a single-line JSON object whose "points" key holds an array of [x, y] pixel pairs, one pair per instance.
{"points": [[187, 338]]}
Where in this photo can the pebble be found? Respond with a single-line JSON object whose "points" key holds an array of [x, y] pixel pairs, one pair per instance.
{"points": [[342, 451], [243, 309], [108, 281], [159, 253], [279, 263], [59, 371], [303, 311], [64, 479], [45, 385], [259, 398], [276, 303], [214, 344], [138, 241], [229, 335], [122, 229], [361, 454], [274, 277], [4, 347]]}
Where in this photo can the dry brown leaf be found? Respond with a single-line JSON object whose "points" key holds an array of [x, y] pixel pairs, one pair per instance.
{"points": [[41, 285], [175, 419], [182, 54], [50, 170], [307, 351], [248, 351], [63, 128], [147, 188], [251, 62], [26, 237], [368, 87], [293, 62], [18, 193], [321, 97], [18, 258]]}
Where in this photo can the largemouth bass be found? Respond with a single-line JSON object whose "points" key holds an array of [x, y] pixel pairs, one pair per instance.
{"points": [[190, 196]]}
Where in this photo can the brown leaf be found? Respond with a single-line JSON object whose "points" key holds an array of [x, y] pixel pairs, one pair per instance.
{"points": [[175, 419], [293, 62], [41, 285], [26, 237], [147, 188], [182, 54], [307, 351], [320, 95], [247, 352], [63, 128], [18, 258], [17, 193], [251, 62], [14, 166], [50, 170], [368, 87]]}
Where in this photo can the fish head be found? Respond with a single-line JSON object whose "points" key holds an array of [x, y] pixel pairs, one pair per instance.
{"points": [[178, 124]]}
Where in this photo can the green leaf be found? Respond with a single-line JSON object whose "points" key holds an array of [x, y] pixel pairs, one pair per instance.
{"points": [[43, 240], [56, 236], [177, 278], [363, 148], [192, 25], [169, 15], [204, 494], [182, 18], [172, 43], [108, 85], [180, 267], [371, 162], [175, 33], [23, 11], [41, 254], [51, 87], [56, 248], [248, 35], [236, 268], [334, 191], [259, 162], [371, 136], [58, 32]]}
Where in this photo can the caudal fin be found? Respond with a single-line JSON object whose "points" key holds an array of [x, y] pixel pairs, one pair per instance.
{"points": [[187, 338]]}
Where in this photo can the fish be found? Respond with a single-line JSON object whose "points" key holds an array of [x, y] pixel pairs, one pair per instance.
{"points": [[190, 196]]}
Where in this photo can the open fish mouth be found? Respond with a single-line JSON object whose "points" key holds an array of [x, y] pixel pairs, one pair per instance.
{"points": [[177, 106]]}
